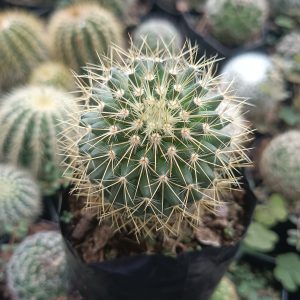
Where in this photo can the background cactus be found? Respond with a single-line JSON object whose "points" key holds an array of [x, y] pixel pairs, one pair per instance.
{"points": [[80, 31], [21, 47], [235, 22], [280, 164], [53, 74], [256, 77], [225, 291], [30, 121], [286, 7], [20, 200], [288, 55], [150, 141], [37, 269], [157, 32]]}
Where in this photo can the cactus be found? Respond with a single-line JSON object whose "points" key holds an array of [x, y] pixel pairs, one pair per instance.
{"points": [[289, 8], [30, 120], [225, 290], [288, 55], [20, 200], [150, 142], [81, 32], [256, 77], [53, 74], [280, 164], [21, 47], [156, 33], [37, 269], [236, 22]]}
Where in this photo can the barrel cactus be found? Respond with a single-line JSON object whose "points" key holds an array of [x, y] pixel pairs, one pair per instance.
{"points": [[225, 290], [30, 122], [155, 33], [150, 144], [288, 55], [37, 269], [20, 200], [280, 164], [21, 47], [236, 22], [289, 8], [80, 33], [256, 77], [53, 74]]}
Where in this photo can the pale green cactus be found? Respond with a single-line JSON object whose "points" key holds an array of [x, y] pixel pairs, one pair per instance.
{"points": [[225, 290], [31, 118], [150, 145], [80, 33], [280, 164], [20, 200], [156, 33], [37, 270], [236, 22], [53, 74], [21, 47]]}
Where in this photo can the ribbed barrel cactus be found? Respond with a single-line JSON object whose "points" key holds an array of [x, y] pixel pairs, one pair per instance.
{"points": [[256, 77], [53, 74], [21, 47], [236, 22], [155, 33], [286, 7], [20, 200], [150, 144], [288, 56], [225, 290], [80, 33], [31, 118], [280, 164], [37, 269]]}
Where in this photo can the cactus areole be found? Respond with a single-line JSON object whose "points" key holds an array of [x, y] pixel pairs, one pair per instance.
{"points": [[150, 149]]}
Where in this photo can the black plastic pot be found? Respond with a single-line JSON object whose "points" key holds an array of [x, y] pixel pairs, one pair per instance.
{"points": [[189, 276]]}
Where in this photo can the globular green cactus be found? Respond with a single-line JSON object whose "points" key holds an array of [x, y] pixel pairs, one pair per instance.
{"points": [[280, 164], [37, 269], [256, 77], [155, 33], [236, 22], [81, 32], [225, 290], [286, 7], [20, 200], [150, 144], [30, 122], [53, 74], [21, 47], [288, 56]]}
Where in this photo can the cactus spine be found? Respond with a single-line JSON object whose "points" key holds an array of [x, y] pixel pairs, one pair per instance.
{"points": [[280, 164], [80, 32], [30, 121], [53, 74], [150, 143], [156, 33], [37, 269], [20, 200], [21, 47], [235, 22]]}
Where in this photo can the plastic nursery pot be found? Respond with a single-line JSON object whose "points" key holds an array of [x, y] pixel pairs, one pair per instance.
{"points": [[190, 276]]}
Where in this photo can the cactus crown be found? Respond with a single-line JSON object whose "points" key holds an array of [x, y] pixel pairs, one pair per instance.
{"points": [[151, 150], [19, 197], [37, 269]]}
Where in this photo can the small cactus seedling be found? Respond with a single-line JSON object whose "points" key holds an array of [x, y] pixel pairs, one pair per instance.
{"points": [[236, 22], [81, 32], [288, 54], [30, 121], [256, 77], [53, 74], [155, 33], [289, 8], [21, 47], [150, 142], [280, 164], [37, 269], [20, 200], [225, 290]]}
